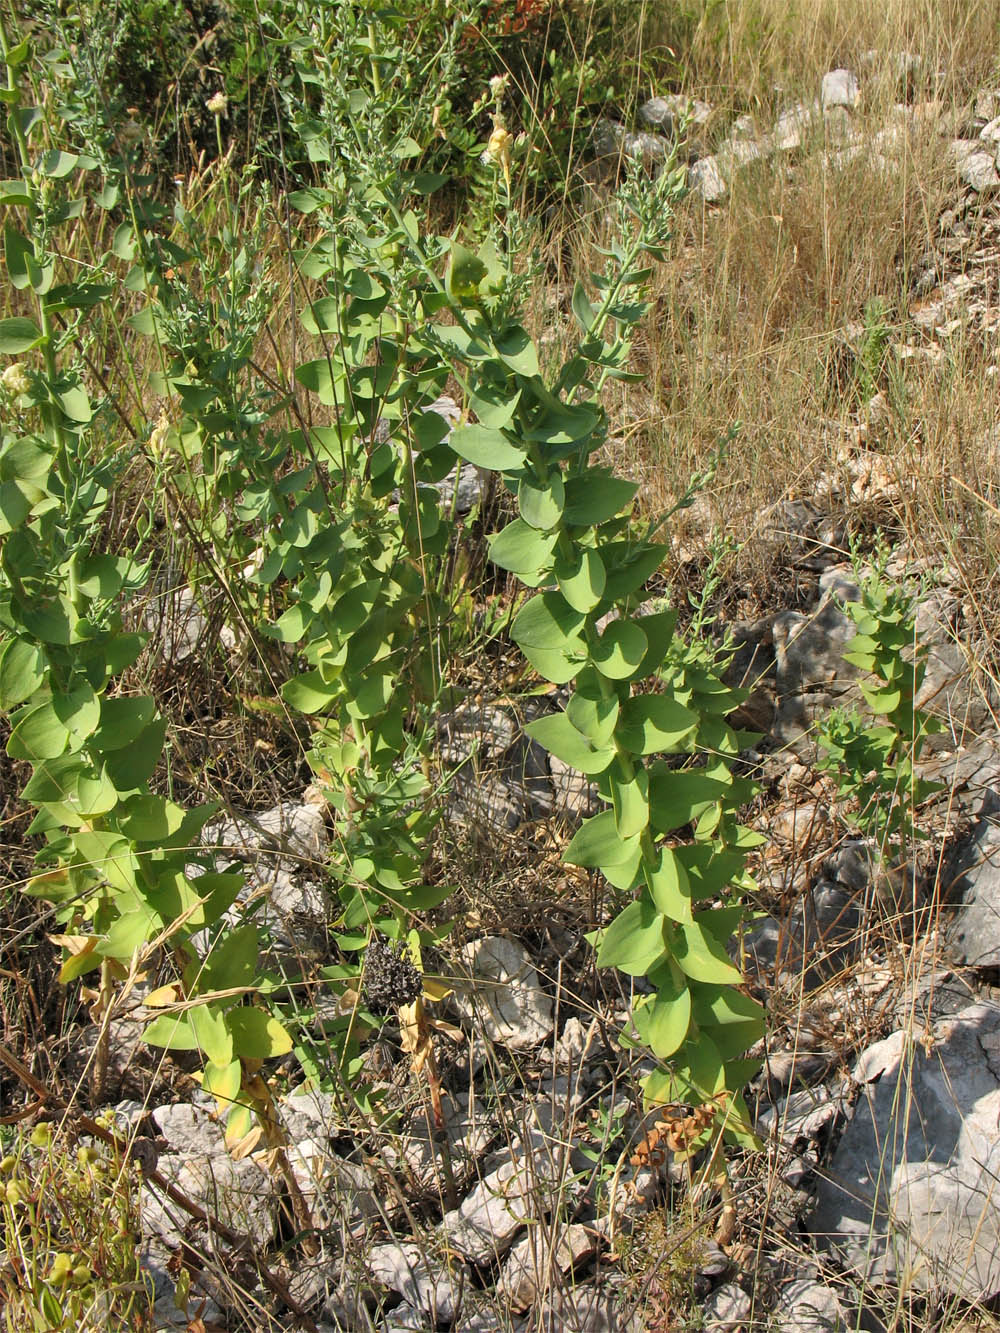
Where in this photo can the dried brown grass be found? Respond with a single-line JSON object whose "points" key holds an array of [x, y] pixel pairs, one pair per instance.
{"points": [[758, 317], [752, 52]]}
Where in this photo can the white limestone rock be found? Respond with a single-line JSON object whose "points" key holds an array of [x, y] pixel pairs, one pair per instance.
{"points": [[503, 995], [706, 178], [976, 165], [840, 88], [432, 1286], [909, 1194]]}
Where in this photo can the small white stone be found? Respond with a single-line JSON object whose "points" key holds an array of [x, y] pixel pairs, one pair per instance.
{"points": [[810, 1307], [976, 166], [485, 1224], [504, 995], [705, 177], [840, 88], [183, 631], [532, 1266], [790, 127], [436, 1288], [727, 1308], [741, 151], [649, 148], [189, 1130], [666, 113], [418, 1149], [575, 794], [801, 1115], [607, 137]]}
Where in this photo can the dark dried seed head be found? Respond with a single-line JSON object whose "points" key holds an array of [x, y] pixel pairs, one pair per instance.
{"points": [[390, 978]]}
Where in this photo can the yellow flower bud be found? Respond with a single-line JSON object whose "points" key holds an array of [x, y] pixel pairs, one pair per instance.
{"points": [[62, 1268], [16, 379], [499, 145], [498, 149], [158, 436], [41, 1135], [217, 104]]}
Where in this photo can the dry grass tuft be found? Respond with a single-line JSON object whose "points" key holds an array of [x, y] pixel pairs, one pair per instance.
{"points": [[753, 53], [789, 305]]}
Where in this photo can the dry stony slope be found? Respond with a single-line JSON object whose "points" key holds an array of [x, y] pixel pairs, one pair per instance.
{"points": [[548, 1200]]}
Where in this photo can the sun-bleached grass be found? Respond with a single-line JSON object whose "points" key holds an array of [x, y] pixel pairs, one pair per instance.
{"points": [[761, 313], [754, 53]]}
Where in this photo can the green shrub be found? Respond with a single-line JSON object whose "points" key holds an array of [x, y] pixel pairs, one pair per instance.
{"points": [[316, 481], [873, 756], [71, 1238]]}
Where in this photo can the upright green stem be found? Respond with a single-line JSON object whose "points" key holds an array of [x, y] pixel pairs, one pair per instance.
{"points": [[50, 412], [373, 61]]}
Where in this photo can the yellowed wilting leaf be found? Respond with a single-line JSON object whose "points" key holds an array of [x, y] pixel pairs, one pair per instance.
{"points": [[256, 1088], [245, 1146], [49, 879], [436, 989], [238, 1123], [81, 955], [164, 996], [223, 1082], [414, 1035], [446, 1029], [410, 1017], [242, 1144], [413, 945], [75, 943], [271, 1159]]}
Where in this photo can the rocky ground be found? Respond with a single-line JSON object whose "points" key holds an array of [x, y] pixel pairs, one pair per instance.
{"points": [[544, 1203], [878, 1101]]}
